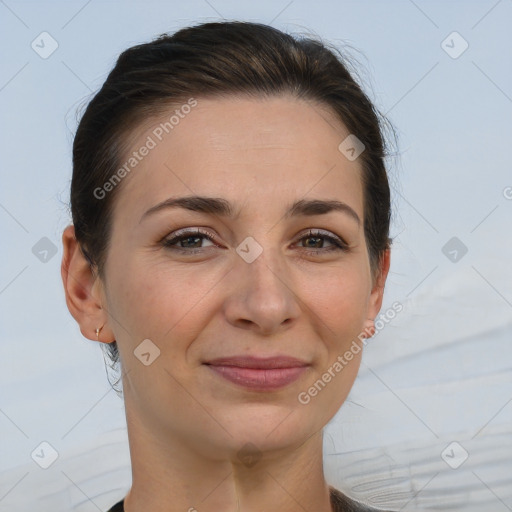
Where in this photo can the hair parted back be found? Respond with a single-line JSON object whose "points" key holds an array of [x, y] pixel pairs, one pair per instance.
{"points": [[208, 60]]}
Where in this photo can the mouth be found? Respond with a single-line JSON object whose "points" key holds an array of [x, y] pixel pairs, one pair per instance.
{"points": [[259, 374]]}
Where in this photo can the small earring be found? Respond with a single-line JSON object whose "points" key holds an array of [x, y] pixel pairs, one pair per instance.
{"points": [[98, 332]]}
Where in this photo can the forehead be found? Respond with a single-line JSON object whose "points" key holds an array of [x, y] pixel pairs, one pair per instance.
{"points": [[239, 148]]}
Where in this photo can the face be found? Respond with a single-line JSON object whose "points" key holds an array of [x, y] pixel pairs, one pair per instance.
{"points": [[258, 279]]}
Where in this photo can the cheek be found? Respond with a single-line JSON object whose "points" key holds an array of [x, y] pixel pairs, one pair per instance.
{"points": [[157, 302], [339, 309], [339, 299]]}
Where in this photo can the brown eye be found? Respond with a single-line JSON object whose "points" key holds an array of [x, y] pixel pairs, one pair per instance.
{"points": [[191, 238], [318, 238]]}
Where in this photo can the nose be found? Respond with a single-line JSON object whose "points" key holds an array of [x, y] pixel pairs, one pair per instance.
{"points": [[261, 296]]}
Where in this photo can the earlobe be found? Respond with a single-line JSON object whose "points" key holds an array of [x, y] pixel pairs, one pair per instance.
{"points": [[81, 287], [108, 335], [369, 328]]}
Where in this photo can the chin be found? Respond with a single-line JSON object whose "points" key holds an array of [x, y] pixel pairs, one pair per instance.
{"points": [[271, 426]]}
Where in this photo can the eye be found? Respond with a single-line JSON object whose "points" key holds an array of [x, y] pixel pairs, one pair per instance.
{"points": [[191, 238], [318, 237]]}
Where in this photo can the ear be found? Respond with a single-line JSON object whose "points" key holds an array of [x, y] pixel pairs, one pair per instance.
{"points": [[377, 293], [84, 290]]}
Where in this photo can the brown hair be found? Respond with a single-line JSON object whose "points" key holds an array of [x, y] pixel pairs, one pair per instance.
{"points": [[208, 60]]}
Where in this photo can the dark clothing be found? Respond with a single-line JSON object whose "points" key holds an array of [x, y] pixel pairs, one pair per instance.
{"points": [[342, 503], [339, 502], [118, 507]]}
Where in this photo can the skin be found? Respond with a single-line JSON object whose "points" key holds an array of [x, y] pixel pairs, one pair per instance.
{"points": [[186, 425]]}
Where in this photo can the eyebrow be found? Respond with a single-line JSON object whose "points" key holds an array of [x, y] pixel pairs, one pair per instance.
{"points": [[223, 208]]}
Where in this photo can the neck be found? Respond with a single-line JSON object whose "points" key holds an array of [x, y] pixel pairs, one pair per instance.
{"points": [[170, 474]]}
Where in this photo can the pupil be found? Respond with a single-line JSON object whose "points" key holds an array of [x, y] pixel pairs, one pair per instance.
{"points": [[191, 238], [314, 238]]}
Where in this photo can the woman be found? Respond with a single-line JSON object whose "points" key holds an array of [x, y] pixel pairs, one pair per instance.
{"points": [[230, 245]]}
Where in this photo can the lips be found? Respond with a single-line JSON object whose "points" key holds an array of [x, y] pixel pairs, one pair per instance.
{"points": [[259, 374], [259, 362]]}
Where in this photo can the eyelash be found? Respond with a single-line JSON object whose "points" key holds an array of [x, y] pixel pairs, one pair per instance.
{"points": [[338, 244]]}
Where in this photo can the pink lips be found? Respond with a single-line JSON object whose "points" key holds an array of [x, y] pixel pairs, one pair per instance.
{"points": [[262, 374]]}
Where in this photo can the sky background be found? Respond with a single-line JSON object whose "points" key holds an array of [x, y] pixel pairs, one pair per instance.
{"points": [[439, 373]]}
